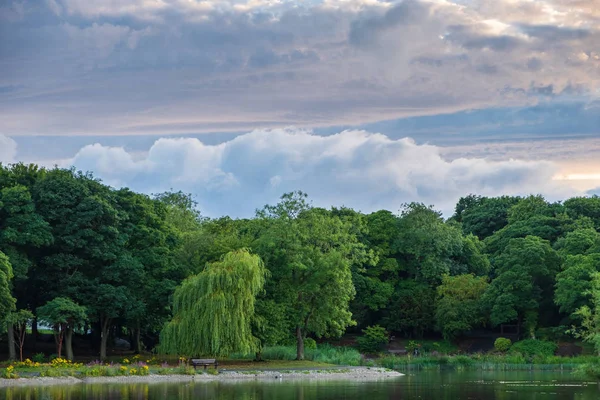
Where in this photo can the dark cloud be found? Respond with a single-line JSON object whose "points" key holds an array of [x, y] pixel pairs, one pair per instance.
{"points": [[365, 32], [179, 67], [554, 33]]}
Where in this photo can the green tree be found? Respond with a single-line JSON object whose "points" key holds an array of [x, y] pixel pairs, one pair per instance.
{"points": [[589, 330], [7, 301], [18, 321], [412, 309], [309, 252], [213, 310], [579, 241], [574, 283], [483, 216], [524, 282], [64, 315], [459, 307], [428, 246]]}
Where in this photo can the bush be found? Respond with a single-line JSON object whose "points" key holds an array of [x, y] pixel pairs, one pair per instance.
{"points": [[39, 358], [374, 339], [502, 344], [533, 347], [310, 343], [9, 373]]}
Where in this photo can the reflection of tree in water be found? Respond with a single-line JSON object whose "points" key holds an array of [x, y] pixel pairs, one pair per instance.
{"points": [[422, 385]]}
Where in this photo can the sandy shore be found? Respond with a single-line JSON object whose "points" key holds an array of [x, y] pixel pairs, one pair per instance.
{"points": [[362, 374]]}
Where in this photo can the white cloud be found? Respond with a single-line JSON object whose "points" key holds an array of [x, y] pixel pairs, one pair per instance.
{"points": [[354, 168], [8, 149]]}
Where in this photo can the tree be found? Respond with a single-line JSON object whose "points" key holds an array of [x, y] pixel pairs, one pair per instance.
{"points": [[65, 316], [213, 310], [7, 301], [574, 283], [412, 309], [524, 281], [459, 307], [309, 253], [18, 321], [589, 330], [579, 241], [482, 216], [428, 246]]}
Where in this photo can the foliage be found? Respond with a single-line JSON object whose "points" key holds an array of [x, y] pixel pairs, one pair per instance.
{"points": [[533, 347], [459, 307], [374, 339], [502, 344], [224, 294], [309, 253], [589, 330], [7, 301], [412, 309], [9, 373], [525, 271], [65, 316], [310, 343]]}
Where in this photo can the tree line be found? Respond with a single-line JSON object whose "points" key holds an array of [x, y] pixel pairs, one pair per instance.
{"points": [[88, 259]]}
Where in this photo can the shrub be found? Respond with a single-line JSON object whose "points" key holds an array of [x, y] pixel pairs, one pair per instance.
{"points": [[39, 358], [373, 340], [54, 372], [502, 344], [412, 346], [533, 347], [9, 373], [310, 343]]}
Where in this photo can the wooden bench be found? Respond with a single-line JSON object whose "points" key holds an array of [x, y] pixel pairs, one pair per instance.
{"points": [[197, 362]]}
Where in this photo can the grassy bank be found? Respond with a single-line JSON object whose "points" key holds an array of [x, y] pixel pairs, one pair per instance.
{"points": [[323, 354], [487, 362]]}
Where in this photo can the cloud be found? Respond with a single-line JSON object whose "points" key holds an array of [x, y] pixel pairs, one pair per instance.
{"points": [[8, 150], [167, 67], [358, 169]]}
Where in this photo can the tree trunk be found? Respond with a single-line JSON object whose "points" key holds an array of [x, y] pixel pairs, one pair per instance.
{"points": [[60, 337], [104, 337], [69, 343], [12, 352], [300, 344], [137, 339], [34, 333], [56, 334]]}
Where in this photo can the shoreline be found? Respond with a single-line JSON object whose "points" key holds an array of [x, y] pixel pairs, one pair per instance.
{"points": [[361, 373]]}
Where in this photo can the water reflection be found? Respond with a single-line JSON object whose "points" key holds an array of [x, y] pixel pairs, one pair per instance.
{"points": [[420, 385]]}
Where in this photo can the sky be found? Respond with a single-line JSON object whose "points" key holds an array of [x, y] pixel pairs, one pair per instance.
{"points": [[362, 103]]}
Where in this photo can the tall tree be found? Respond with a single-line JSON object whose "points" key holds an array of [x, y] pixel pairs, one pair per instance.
{"points": [[213, 310], [18, 321], [7, 302], [524, 282], [459, 308], [309, 253], [589, 330], [64, 315]]}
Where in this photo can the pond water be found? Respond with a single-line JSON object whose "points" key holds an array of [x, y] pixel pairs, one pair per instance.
{"points": [[474, 385]]}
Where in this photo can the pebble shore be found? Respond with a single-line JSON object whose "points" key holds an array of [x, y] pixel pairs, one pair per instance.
{"points": [[361, 373]]}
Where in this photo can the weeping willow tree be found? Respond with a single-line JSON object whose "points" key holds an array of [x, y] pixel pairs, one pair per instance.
{"points": [[213, 310]]}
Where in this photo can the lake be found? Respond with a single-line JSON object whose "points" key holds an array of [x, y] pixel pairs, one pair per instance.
{"points": [[427, 385]]}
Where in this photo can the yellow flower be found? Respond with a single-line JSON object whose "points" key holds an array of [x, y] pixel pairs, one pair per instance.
{"points": [[145, 367]]}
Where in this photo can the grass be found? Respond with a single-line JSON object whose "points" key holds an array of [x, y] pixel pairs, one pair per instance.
{"points": [[324, 354], [486, 362]]}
